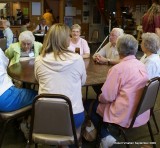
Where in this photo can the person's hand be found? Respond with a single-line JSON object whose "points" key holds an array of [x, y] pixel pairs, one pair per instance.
{"points": [[96, 57], [39, 31], [100, 59]]}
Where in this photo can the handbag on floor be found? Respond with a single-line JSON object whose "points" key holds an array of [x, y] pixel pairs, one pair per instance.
{"points": [[89, 132]]}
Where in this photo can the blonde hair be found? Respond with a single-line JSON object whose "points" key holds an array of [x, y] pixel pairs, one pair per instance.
{"points": [[56, 40], [76, 26]]}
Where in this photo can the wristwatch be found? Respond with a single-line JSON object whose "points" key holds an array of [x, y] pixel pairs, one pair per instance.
{"points": [[109, 61]]}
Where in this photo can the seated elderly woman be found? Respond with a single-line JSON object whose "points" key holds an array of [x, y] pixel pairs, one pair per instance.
{"points": [[8, 34], [26, 47], [78, 44], [121, 91], [150, 45]]}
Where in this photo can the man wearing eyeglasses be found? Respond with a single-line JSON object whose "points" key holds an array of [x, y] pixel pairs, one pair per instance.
{"points": [[109, 54]]}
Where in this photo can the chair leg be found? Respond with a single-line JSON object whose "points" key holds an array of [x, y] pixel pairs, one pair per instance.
{"points": [[151, 134], [125, 138], [36, 145], [155, 122], [86, 92], [28, 145], [76, 142], [3, 132], [98, 138]]}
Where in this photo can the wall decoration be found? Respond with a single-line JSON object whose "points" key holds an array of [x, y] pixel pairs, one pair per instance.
{"points": [[70, 11], [36, 8], [85, 17], [68, 21]]}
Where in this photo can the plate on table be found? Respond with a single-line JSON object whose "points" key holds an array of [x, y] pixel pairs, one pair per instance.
{"points": [[38, 34], [26, 58]]}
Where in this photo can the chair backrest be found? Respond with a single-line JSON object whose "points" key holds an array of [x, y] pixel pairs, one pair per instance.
{"points": [[3, 43], [95, 36], [148, 98], [53, 115]]}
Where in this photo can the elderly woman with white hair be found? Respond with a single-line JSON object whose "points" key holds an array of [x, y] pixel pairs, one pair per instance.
{"points": [[7, 32], [109, 54], [26, 47], [150, 45]]}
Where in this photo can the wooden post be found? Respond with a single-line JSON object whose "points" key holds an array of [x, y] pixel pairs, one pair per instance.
{"points": [[61, 11]]}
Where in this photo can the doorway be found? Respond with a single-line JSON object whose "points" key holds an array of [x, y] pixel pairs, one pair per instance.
{"points": [[96, 21]]}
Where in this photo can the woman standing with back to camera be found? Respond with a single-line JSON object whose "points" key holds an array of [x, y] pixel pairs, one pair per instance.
{"points": [[60, 71], [151, 19]]}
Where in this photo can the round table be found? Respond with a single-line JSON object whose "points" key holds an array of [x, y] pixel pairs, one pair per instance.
{"points": [[24, 71], [39, 37]]}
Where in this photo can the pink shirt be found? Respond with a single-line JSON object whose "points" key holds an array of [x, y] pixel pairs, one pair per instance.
{"points": [[82, 44], [121, 93]]}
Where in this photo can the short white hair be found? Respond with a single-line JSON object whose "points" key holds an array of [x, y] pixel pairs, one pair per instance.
{"points": [[127, 45], [26, 35], [118, 31], [151, 42], [6, 22]]}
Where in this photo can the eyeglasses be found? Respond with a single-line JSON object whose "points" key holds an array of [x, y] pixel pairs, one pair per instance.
{"points": [[26, 44], [113, 35], [75, 31]]}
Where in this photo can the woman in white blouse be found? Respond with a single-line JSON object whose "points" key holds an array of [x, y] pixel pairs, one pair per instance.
{"points": [[150, 46]]}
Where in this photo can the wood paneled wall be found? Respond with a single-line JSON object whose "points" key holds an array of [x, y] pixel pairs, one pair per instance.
{"points": [[84, 26], [23, 3]]}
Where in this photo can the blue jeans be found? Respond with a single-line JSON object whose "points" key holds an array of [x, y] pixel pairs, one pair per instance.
{"points": [[16, 98], [96, 118], [78, 119]]}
